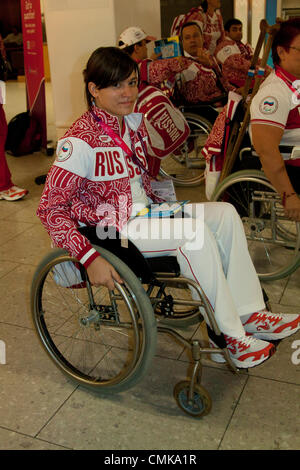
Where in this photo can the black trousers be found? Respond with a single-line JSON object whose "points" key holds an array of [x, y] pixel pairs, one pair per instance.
{"points": [[131, 256]]}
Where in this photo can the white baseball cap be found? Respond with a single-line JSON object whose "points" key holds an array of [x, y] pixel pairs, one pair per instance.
{"points": [[133, 35]]}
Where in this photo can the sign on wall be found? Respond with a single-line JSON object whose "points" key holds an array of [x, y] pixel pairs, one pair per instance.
{"points": [[34, 62]]}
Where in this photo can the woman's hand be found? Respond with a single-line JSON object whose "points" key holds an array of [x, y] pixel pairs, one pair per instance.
{"points": [[102, 273], [292, 207]]}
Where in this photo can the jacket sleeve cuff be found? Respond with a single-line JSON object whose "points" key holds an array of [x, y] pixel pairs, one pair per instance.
{"points": [[87, 256]]}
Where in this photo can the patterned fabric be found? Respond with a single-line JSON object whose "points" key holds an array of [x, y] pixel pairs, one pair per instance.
{"points": [[89, 182], [234, 58], [179, 21], [196, 82], [212, 28]]}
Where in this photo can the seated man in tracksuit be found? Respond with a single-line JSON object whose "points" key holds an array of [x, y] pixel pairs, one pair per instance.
{"points": [[194, 73], [234, 56]]}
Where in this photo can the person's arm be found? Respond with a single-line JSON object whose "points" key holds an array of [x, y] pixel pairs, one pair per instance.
{"points": [[157, 71], [60, 208], [199, 84], [266, 140]]}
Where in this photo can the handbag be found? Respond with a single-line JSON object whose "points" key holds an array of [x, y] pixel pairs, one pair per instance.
{"points": [[166, 126]]}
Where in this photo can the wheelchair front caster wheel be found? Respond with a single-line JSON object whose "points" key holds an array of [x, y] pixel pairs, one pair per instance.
{"points": [[200, 404]]}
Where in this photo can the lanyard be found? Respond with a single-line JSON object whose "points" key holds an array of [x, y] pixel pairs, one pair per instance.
{"points": [[288, 83], [119, 141]]}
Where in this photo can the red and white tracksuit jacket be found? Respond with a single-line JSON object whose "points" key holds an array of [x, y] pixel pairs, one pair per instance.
{"points": [[235, 59], [196, 82], [89, 182], [212, 27]]}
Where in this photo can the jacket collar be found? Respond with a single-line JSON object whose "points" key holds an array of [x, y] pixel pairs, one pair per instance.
{"points": [[133, 120], [288, 76]]}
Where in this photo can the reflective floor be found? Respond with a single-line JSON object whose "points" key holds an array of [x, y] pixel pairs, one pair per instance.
{"points": [[41, 409]]}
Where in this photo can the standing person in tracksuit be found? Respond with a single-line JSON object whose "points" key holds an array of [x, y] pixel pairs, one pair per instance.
{"points": [[8, 191], [100, 181], [209, 18]]}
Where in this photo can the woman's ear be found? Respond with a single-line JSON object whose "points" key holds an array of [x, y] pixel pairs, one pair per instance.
{"points": [[92, 89]]}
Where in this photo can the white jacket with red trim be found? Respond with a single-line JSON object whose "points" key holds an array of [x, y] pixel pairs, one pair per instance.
{"points": [[89, 182], [235, 59]]}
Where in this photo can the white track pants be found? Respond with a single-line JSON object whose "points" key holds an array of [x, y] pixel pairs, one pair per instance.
{"points": [[213, 252]]}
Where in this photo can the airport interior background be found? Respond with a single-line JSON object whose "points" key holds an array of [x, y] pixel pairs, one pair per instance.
{"points": [[40, 409]]}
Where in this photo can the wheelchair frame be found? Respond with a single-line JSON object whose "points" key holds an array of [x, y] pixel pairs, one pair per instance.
{"points": [[67, 318], [274, 240]]}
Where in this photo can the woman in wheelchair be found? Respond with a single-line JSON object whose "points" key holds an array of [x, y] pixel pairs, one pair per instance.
{"points": [[100, 181], [275, 118]]}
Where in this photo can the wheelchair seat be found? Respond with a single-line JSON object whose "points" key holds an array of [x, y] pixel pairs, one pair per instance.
{"points": [[164, 264], [207, 109]]}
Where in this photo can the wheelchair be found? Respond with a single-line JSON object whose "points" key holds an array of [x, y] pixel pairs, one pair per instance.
{"points": [[273, 239], [186, 166], [105, 340]]}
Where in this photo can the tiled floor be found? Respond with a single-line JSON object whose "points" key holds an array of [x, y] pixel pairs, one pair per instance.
{"points": [[41, 409]]}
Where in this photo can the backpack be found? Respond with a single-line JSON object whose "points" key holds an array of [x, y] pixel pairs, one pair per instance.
{"points": [[166, 126], [24, 135]]}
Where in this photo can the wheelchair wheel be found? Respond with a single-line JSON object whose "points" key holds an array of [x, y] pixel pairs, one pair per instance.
{"points": [[200, 404], [104, 340], [273, 240], [186, 166]]}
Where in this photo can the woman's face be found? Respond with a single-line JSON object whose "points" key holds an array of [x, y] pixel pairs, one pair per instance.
{"points": [[290, 59], [117, 100]]}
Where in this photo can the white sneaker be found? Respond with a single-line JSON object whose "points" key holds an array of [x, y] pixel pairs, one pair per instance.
{"points": [[271, 326], [245, 351], [13, 194]]}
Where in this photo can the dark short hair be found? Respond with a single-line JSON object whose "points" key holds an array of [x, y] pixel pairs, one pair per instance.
{"points": [[185, 25], [130, 49], [284, 37], [107, 66], [232, 22]]}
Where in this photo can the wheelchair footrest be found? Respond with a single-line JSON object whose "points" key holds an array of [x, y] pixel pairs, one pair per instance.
{"points": [[219, 340]]}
